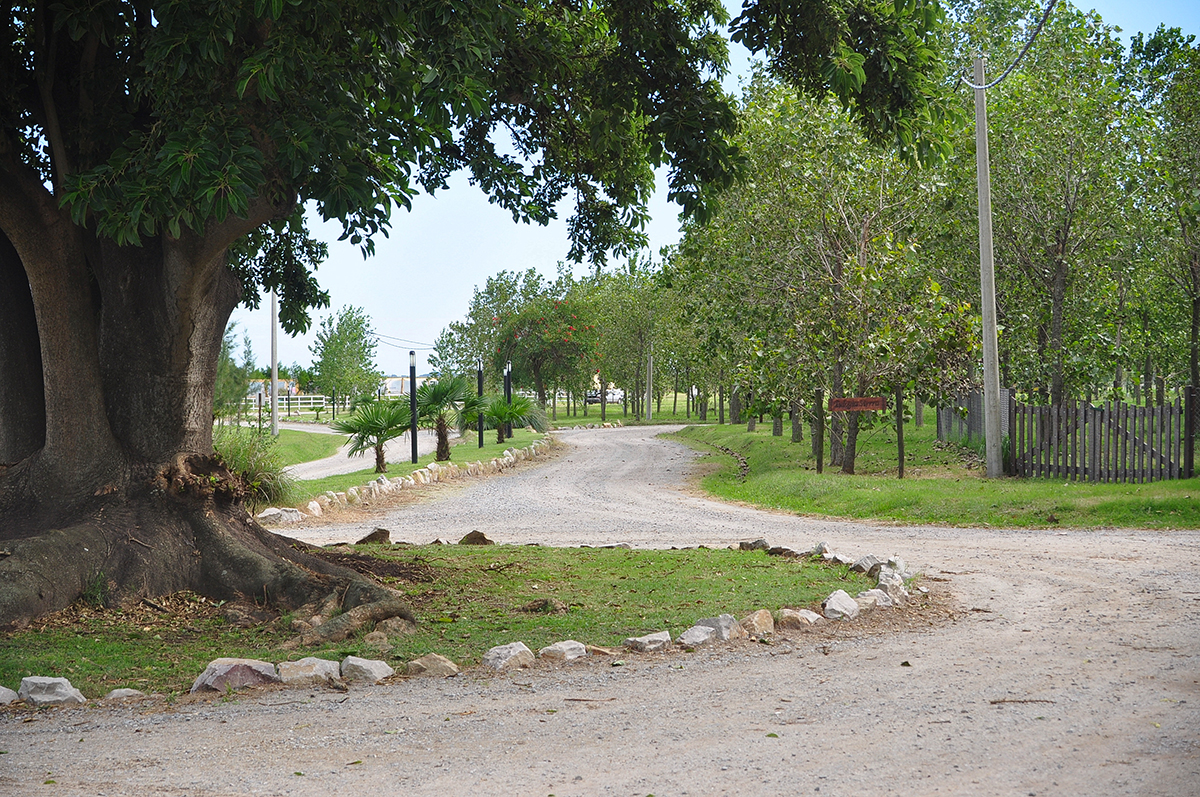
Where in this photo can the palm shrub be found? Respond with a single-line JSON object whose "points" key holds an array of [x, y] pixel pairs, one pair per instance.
{"points": [[498, 414], [254, 458], [372, 425], [442, 404]]}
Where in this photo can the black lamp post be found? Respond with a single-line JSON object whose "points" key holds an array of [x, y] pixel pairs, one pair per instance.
{"points": [[479, 386], [508, 394], [412, 401]]}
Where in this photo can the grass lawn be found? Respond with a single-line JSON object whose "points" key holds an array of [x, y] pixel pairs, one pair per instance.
{"points": [[296, 447], [463, 449], [942, 485], [467, 599]]}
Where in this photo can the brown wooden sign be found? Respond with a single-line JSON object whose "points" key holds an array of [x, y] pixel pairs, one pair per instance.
{"points": [[858, 404]]}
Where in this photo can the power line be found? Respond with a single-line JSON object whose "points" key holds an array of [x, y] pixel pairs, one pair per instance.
{"points": [[402, 340], [1041, 24]]}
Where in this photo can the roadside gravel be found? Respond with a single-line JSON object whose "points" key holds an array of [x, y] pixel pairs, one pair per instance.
{"points": [[1070, 665]]}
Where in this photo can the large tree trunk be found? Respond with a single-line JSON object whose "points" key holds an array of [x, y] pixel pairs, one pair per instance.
{"points": [[116, 483]]}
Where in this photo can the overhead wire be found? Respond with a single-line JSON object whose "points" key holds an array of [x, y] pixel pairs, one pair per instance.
{"points": [[1041, 24]]}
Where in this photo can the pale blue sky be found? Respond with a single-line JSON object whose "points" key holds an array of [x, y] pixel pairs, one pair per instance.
{"points": [[422, 277]]}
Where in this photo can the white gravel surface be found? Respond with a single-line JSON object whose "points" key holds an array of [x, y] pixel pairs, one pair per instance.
{"points": [[1072, 668], [398, 450]]}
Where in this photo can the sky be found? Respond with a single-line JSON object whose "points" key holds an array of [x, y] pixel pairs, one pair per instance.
{"points": [[423, 275]]}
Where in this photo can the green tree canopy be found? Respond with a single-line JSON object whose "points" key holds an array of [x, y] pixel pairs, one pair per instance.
{"points": [[344, 353]]}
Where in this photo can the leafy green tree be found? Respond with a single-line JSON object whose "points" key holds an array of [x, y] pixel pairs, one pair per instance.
{"points": [[344, 353], [143, 142], [372, 425], [550, 339], [229, 391]]}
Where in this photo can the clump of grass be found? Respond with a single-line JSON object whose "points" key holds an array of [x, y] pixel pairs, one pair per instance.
{"points": [[255, 458]]}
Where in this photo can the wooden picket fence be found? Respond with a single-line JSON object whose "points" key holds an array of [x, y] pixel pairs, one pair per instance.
{"points": [[1111, 442]]}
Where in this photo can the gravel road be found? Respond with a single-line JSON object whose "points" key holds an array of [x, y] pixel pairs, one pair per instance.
{"points": [[395, 450], [1070, 666]]}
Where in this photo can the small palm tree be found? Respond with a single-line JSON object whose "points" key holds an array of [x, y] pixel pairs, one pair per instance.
{"points": [[443, 404], [372, 424], [499, 414]]}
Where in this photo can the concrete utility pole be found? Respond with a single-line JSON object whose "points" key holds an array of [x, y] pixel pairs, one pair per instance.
{"points": [[274, 368], [649, 379], [987, 284]]}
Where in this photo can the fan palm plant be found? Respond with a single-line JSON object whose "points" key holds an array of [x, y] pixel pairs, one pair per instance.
{"points": [[498, 414], [372, 424], [443, 404]]}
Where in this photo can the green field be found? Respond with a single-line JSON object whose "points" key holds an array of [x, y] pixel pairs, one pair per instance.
{"points": [[942, 485]]}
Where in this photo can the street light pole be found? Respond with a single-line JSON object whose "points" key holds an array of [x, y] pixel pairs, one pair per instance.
{"points": [[987, 283], [274, 369], [412, 402], [479, 386], [508, 394]]}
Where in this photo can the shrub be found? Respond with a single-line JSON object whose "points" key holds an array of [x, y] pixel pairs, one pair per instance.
{"points": [[253, 457]]}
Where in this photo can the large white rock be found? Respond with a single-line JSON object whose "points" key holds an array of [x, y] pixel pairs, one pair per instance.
{"points": [[696, 636], [223, 674], [876, 598], [803, 618], [726, 625], [563, 651], [864, 564], [270, 515], [7, 696], [314, 508], [840, 606], [124, 694], [892, 583], [353, 496], [309, 670], [650, 643], [759, 624], [508, 657], [40, 691], [432, 665], [356, 669]]}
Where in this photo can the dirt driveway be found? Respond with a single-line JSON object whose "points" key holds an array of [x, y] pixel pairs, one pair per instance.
{"points": [[1071, 668]]}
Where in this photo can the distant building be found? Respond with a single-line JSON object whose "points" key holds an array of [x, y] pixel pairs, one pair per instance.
{"points": [[398, 385]]}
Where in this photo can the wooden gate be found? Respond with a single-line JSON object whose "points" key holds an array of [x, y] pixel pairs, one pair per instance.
{"points": [[1113, 442]]}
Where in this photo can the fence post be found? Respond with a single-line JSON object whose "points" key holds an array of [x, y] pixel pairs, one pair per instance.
{"points": [[1189, 430]]}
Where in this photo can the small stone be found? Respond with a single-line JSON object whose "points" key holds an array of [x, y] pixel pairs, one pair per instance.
{"points": [[727, 627], [124, 694], [803, 618], [779, 550], [864, 564], [818, 549], [508, 657], [223, 674], [756, 545], [373, 670], [379, 536], [650, 643], [396, 626], [624, 546], [877, 596], [563, 651], [840, 606], [270, 515], [432, 665], [545, 606], [697, 636], [759, 624], [892, 583], [377, 640], [475, 538], [290, 515], [309, 670], [314, 508], [7, 696], [40, 691]]}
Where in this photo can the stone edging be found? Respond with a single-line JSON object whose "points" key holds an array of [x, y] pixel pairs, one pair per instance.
{"points": [[383, 486], [225, 674]]}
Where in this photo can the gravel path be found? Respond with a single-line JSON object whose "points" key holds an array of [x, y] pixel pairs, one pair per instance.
{"points": [[1071, 667], [398, 450]]}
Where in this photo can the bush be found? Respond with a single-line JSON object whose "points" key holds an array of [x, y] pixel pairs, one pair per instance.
{"points": [[254, 458]]}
